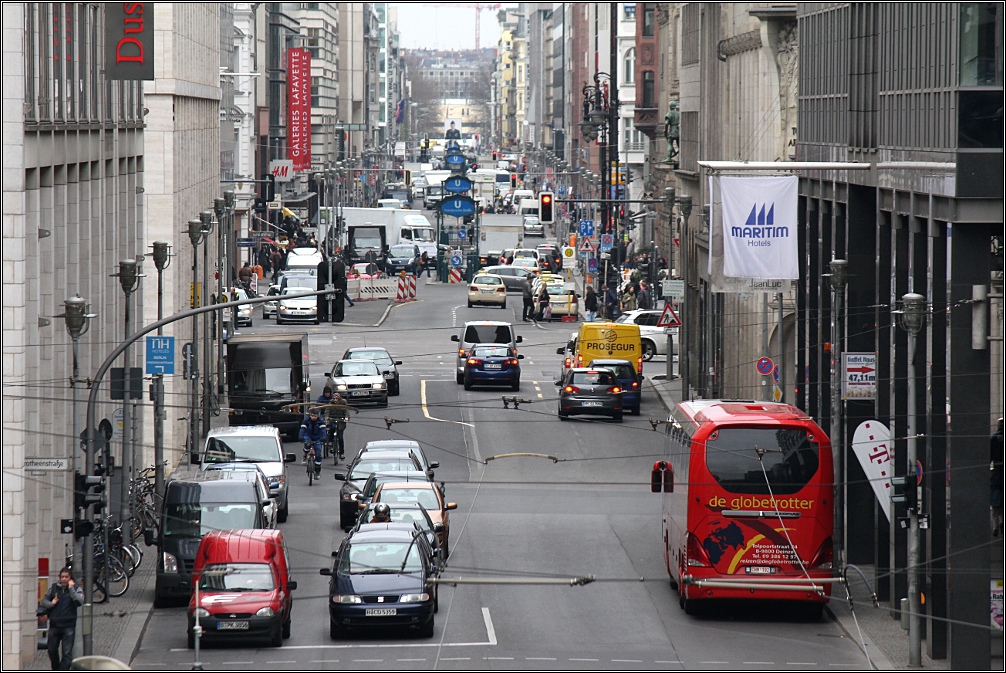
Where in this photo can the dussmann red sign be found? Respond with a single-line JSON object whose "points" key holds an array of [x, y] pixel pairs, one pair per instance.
{"points": [[299, 107]]}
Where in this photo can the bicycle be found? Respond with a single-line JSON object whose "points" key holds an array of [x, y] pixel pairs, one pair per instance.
{"points": [[312, 464]]}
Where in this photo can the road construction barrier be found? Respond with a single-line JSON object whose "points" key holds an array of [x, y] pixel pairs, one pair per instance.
{"points": [[406, 289], [456, 276], [364, 289]]}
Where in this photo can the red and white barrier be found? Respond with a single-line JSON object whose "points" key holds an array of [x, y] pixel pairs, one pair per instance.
{"points": [[456, 276], [406, 289]]}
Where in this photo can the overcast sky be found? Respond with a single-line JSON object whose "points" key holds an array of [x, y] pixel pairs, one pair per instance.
{"points": [[429, 26]]}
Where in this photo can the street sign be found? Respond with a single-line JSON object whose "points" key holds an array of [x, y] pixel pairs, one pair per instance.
{"points": [[568, 252], [776, 393], [859, 380], [457, 206], [586, 245], [462, 233], [274, 205], [457, 185], [669, 318], [160, 355], [259, 234], [455, 160], [586, 228], [592, 265], [456, 260], [47, 464], [282, 169], [675, 289], [245, 242], [764, 366], [607, 242]]}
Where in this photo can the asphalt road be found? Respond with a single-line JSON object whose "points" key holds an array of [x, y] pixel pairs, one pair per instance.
{"points": [[588, 515]]}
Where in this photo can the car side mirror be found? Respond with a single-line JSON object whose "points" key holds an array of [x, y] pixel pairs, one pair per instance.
{"points": [[434, 464], [398, 362], [520, 339], [438, 527], [454, 337], [339, 476], [560, 351], [327, 572], [520, 357], [556, 383], [451, 505], [292, 584], [290, 458]]}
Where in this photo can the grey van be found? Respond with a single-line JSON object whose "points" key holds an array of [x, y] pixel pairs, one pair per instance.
{"points": [[195, 503], [482, 332]]}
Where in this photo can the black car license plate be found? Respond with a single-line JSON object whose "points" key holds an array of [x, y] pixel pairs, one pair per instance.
{"points": [[232, 626]]}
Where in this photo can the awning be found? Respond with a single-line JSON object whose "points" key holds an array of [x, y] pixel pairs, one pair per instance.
{"points": [[298, 199]]}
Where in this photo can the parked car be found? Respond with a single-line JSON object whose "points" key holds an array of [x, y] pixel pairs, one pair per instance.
{"points": [[492, 364], [359, 381], [592, 391], [383, 576], [487, 289]]}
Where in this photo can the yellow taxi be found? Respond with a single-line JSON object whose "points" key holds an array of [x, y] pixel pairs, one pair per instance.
{"points": [[487, 288]]}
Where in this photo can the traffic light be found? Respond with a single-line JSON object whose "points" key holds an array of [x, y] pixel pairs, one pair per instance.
{"points": [[546, 207], [495, 155], [408, 177], [513, 181], [904, 492], [87, 491]]}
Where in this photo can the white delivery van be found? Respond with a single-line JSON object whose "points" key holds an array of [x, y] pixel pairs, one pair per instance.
{"points": [[304, 259]]}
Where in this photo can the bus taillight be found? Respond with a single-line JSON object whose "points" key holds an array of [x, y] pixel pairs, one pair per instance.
{"points": [[824, 557], [695, 554]]}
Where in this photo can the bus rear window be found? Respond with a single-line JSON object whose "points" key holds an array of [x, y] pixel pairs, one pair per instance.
{"points": [[789, 457]]}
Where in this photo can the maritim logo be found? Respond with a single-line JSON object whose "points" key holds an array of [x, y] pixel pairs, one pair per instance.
{"points": [[760, 227]]}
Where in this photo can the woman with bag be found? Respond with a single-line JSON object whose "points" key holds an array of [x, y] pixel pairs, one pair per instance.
{"points": [[544, 305]]}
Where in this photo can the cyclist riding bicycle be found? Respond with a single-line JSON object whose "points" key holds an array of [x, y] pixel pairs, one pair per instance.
{"points": [[313, 433], [335, 419]]}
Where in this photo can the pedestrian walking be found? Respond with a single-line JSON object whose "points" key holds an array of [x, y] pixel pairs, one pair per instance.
{"points": [[528, 297], [628, 299], [544, 304], [643, 299], [590, 305], [61, 601], [611, 311]]}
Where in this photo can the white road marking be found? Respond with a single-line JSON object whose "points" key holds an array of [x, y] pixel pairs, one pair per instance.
{"points": [[281, 662], [499, 658], [410, 659], [758, 663], [586, 660], [490, 629], [626, 661], [801, 663], [426, 412], [455, 658], [324, 661], [539, 658]]}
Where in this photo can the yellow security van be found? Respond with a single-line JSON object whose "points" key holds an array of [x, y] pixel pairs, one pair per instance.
{"points": [[609, 340]]}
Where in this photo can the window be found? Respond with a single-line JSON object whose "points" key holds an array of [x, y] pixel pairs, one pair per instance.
{"points": [[649, 90], [629, 66], [629, 11], [788, 464], [980, 24], [648, 20]]}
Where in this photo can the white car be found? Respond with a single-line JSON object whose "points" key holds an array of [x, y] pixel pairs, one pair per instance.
{"points": [[244, 311], [269, 308], [533, 227], [654, 338], [302, 309], [487, 288], [359, 381]]}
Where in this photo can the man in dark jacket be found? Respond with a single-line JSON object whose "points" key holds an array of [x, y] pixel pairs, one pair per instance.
{"points": [[590, 305], [61, 600], [611, 311], [643, 298], [525, 290]]}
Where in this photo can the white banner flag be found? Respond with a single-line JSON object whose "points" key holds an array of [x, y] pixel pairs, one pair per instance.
{"points": [[873, 447], [760, 227]]}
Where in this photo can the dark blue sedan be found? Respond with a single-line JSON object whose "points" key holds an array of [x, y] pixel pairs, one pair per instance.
{"points": [[381, 578], [629, 380], [492, 365]]}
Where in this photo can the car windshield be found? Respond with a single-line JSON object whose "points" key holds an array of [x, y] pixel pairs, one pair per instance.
{"points": [[488, 334], [518, 254], [525, 261], [592, 378], [424, 496], [625, 318], [622, 371], [237, 577], [363, 558], [411, 515], [402, 251], [356, 368], [273, 381], [486, 280], [365, 468], [242, 449], [490, 352], [297, 290], [198, 519], [423, 235], [380, 357], [749, 460]]}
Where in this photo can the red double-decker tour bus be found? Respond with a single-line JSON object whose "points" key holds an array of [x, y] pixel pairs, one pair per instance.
{"points": [[747, 513]]}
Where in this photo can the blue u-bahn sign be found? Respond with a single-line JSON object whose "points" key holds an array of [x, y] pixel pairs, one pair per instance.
{"points": [[457, 185], [457, 206]]}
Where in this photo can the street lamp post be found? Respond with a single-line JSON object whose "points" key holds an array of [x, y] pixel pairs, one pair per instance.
{"points": [[195, 231], [685, 210], [838, 279], [207, 221], [911, 318], [128, 279], [162, 260], [77, 315]]}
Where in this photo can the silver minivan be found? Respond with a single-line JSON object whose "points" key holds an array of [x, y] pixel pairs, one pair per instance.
{"points": [[259, 444], [482, 332]]}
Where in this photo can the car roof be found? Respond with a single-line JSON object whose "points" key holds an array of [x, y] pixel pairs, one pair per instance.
{"points": [[403, 476], [601, 362], [407, 526], [581, 370], [244, 431], [364, 349], [391, 485], [386, 444], [383, 534], [487, 322]]}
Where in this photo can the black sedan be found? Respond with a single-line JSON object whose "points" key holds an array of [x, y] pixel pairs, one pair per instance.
{"points": [[513, 276], [492, 365], [402, 257], [357, 473], [589, 390], [382, 358], [383, 576]]}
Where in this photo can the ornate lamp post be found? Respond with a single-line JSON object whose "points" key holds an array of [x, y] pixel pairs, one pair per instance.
{"points": [[162, 260], [129, 277], [838, 279], [196, 233], [208, 223]]}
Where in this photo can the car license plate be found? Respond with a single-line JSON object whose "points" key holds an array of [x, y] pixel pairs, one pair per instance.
{"points": [[381, 612], [389, 375], [492, 366], [358, 393], [232, 626], [591, 404], [486, 291], [759, 570]]}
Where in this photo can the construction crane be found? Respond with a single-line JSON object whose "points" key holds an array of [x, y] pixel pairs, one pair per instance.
{"points": [[478, 7]]}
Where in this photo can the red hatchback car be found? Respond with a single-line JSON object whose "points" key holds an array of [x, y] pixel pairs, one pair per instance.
{"points": [[244, 587]]}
